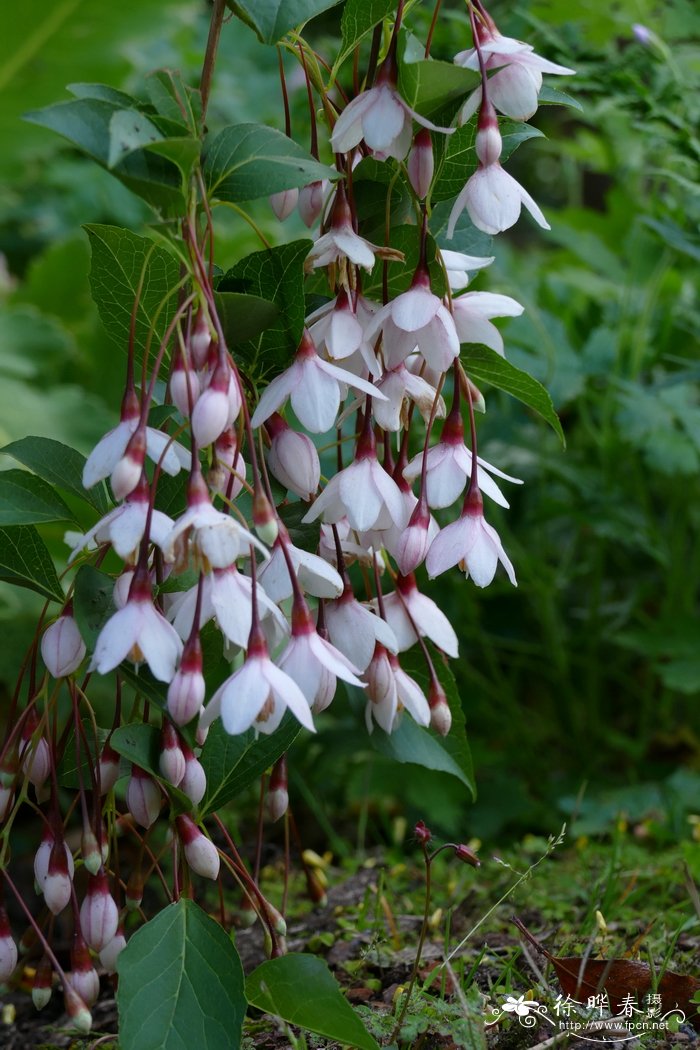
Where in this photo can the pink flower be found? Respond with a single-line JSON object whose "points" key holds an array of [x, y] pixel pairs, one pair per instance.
{"points": [[313, 663], [226, 596], [416, 319], [421, 163], [355, 630], [314, 386], [472, 312], [124, 526], [408, 611], [200, 852], [314, 574], [473, 543], [339, 328], [218, 406], [389, 691], [341, 242], [400, 386], [99, 915], [143, 797]]}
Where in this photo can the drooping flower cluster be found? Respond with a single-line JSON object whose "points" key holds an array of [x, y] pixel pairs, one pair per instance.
{"points": [[293, 568]]}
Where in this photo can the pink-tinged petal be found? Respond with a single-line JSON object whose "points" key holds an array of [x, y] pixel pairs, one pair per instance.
{"points": [[323, 251], [356, 382], [347, 132], [414, 309], [161, 525], [411, 696], [275, 394], [398, 147], [445, 481], [117, 638], [391, 495], [356, 248], [424, 122], [290, 694], [335, 661], [493, 199], [329, 503], [451, 545], [383, 632], [533, 207], [160, 644], [107, 453], [432, 622], [438, 342], [471, 328], [502, 556], [126, 530], [300, 664], [351, 633], [482, 561], [243, 697], [344, 334], [359, 495], [514, 90], [470, 106], [383, 121], [316, 398]]}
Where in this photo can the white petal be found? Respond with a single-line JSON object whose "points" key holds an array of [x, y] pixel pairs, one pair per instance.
{"points": [[117, 637], [243, 696], [290, 694], [107, 453], [347, 132], [160, 644], [275, 394], [316, 398], [383, 121], [414, 309]]}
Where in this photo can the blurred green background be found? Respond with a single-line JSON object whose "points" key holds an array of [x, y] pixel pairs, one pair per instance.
{"points": [[580, 687]]}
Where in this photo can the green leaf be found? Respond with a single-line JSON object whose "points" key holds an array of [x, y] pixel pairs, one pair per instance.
{"points": [[484, 365], [103, 92], [302, 991], [247, 161], [139, 744], [170, 96], [244, 317], [271, 19], [27, 500], [460, 158], [26, 562], [92, 602], [180, 984], [142, 681], [550, 96], [119, 258], [68, 774], [231, 763], [429, 85], [276, 275], [59, 465], [405, 239], [359, 16], [129, 130]]}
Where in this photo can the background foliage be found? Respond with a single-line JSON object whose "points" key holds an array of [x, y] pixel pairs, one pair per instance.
{"points": [[589, 673]]}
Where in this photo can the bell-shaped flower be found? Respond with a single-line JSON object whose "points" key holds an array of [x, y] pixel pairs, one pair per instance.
{"points": [[226, 596], [491, 196], [400, 386], [110, 449], [214, 538], [355, 629], [472, 313], [338, 327], [408, 611], [140, 633], [314, 573], [314, 663], [341, 242], [124, 526], [187, 690], [471, 542], [459, 266], [389, 691], [83, 975], [228, 470], [218, 406], [293, 458], [515, 85], [314, 387], [257, 694], [416, 320]]}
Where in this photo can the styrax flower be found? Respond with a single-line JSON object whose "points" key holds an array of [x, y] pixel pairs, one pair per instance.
{"points": [[458, 266], [62, 647], [314, 574], [408, 611], [124, 526], [355, 630], [312, 662], [472, 313], [293, 458], [473, 543], [226, 596]]}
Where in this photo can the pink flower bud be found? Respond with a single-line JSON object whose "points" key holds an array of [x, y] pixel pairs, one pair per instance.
{"points": [[187, 690], [277, 792], [264, 518], [92, 854], [127, 473], [440, 714], [108, 768], [83, 976], [57, 884], [111, 952], [414, 541], [284, 203], [467, 856], [212, 413], [42, 983], [143, 797], [171, 761], [36, 761], [488, 138], [200, 852], [228, 470], [311, 202], [422, 833], [184, 386], [8, 949], [194, 782], [421, 163], [99, 915], [76, 1009], [275, 919], [293, 458], [134, 891], [62, 648], [200, 341]]}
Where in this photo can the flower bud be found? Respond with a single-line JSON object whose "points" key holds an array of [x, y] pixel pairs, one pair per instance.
{"points": [[212, 413], [200, 341], [59, 877], [62, 648], [42, 983], [488, 138], [127, 472], [99, 915], [83, 976], [467, 855], [111, 952], [293, 458], [247, 915], [311, 202], [440, 714], [264, 517], [194, 782], [143, 797], [275, 919], [277, 794], [187, 690], [108, 768], [422, 833], [228, 471], [421, 163], [8, 948], [134, 890], [171, 761], [284, 203], [184, 386], [76, 1009], [92, 854], [36, 761], [200, 852], [415, 539]]}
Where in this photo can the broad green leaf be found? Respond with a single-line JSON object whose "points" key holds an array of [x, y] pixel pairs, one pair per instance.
{"points": [[129, 130], [26, 562], [460, 158], [103, 92], [119, 258], [247, 161], [244, 317], [59, 465], [180, 984], [271, 19], [68, 774], [429, 85], [140, 744], [175, 99], [233, 762], [551, 96], [92, 602], [142, 681], [359, 16], [301, 990], [26, 499], [484, 365], [276, 275]]}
